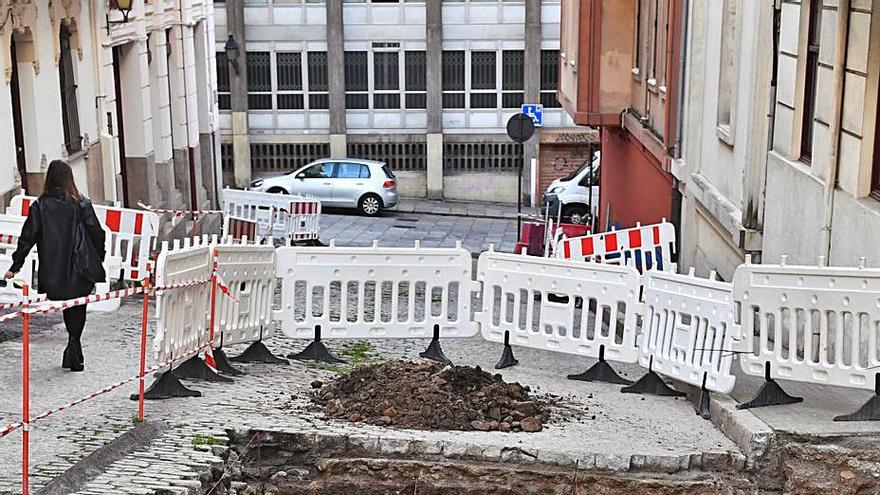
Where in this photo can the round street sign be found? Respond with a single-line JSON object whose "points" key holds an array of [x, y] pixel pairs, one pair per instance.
{"points": [[520, 128]]}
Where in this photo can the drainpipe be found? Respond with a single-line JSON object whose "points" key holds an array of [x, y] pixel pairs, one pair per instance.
{"points": [[836, 121]]}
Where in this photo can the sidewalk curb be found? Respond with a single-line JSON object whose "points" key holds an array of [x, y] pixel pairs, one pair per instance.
{"points": [[96, 463]]}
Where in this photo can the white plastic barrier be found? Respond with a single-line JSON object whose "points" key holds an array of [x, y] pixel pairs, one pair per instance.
{"points": [[10, 231], [363, 292], [688, 329], [248, 270], [812, 324], [182, 313], [560, 305], [644, 247], [280, 216], [132, 233]]}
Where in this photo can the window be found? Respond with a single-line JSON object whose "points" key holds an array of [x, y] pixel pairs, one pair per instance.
{"points": [[69, 113], [415, 79], [549, 78], [483, 75], [223, 98], [319, 171], [386, 80], [259, 81], [512, 74], [814, 28], [727, 73], [875, 176], [288, 73], [357, 94], [352, 171], [453, 79], [319, 96]]}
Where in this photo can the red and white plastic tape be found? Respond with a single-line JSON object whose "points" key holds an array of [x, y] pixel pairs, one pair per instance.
{"points": [[109, 388], [178, 213]]}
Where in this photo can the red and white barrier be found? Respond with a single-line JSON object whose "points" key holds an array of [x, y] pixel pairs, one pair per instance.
{"points": [[643, 247], [280, 216], [240, 228], [132, 233]]}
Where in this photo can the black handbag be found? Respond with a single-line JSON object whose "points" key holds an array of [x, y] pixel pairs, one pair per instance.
{"points": [[87, 262]]}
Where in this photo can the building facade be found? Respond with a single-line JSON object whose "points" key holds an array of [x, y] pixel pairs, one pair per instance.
{"points": [[621, 71], [427, 86], [823, 171], [729, 86], [127, 100]]}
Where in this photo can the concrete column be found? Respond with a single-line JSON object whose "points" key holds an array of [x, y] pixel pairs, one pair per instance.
{"points": [[532, 80], [241, 146], [336, 75], [134, 74], [204, 103], [160, 109], [434, 88]]}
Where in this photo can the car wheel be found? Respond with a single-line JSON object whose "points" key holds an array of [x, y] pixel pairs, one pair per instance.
{"points": [[576, 214], [277, 190], [370, 205]]}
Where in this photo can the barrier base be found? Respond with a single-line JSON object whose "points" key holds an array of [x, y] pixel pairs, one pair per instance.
{"points": [[600, 372], [702, 405], [770, 394], [652, 384], [258, 353], [870, 411], [223, 364], [435, 353], [166, 386], [316, 351], [196, 369], [507, 360]]}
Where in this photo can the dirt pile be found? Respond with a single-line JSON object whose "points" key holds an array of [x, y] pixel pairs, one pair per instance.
{"points": [[430, 396]]}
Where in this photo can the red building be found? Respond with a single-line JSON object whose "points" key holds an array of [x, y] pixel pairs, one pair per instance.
{"points": [[620, 71]]}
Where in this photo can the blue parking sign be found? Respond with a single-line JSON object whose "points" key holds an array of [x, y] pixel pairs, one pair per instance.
{"points": [[535, 111]]}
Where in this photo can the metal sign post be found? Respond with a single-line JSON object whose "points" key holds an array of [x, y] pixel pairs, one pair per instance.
{"points": [[520, 128]]}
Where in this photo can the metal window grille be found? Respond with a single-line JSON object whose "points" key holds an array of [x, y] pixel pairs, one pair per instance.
{"points": [[452, 79], [482, 157], [483, 80], [512, 78], [224, 100], [319, 97], [69, 111], [415, 75], [226, 159], [386, 80], [259, 80], [288, 77], [549, 78], [398, 156], [357, 81], [284, 157]]}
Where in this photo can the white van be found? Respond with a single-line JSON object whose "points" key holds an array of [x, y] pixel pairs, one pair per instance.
{"points": [[577, 194]]}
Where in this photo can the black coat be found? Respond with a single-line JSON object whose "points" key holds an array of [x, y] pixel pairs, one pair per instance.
{"points": [[50, 225]]}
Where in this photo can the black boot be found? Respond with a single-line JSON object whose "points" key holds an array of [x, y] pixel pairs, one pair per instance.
{"points": [[76, 361], [65, 360]]}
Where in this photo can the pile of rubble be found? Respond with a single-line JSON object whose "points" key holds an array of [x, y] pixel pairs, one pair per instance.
{"points": [[430, 396]]}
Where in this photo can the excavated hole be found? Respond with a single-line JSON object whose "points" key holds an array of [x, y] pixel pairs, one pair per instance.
{"points": [[267, 462]]}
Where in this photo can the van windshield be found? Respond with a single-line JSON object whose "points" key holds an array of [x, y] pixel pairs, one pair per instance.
{"points": [[577, 171]]}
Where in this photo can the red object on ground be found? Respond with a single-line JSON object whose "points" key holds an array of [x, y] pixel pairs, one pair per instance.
{"points": [[532, 239], [574, 229]]}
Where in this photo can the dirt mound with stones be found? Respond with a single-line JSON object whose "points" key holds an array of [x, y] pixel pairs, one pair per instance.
{"points": [[430, 396]]}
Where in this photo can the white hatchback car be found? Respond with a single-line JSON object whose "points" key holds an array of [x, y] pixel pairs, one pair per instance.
{"points": [[367, 185]]}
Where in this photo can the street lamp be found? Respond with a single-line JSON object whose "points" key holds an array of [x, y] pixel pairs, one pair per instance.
{"points": [[123, 6], [231, 49]]}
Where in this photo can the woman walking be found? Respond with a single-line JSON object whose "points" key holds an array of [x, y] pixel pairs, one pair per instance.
{"points": [[70, 248]]}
